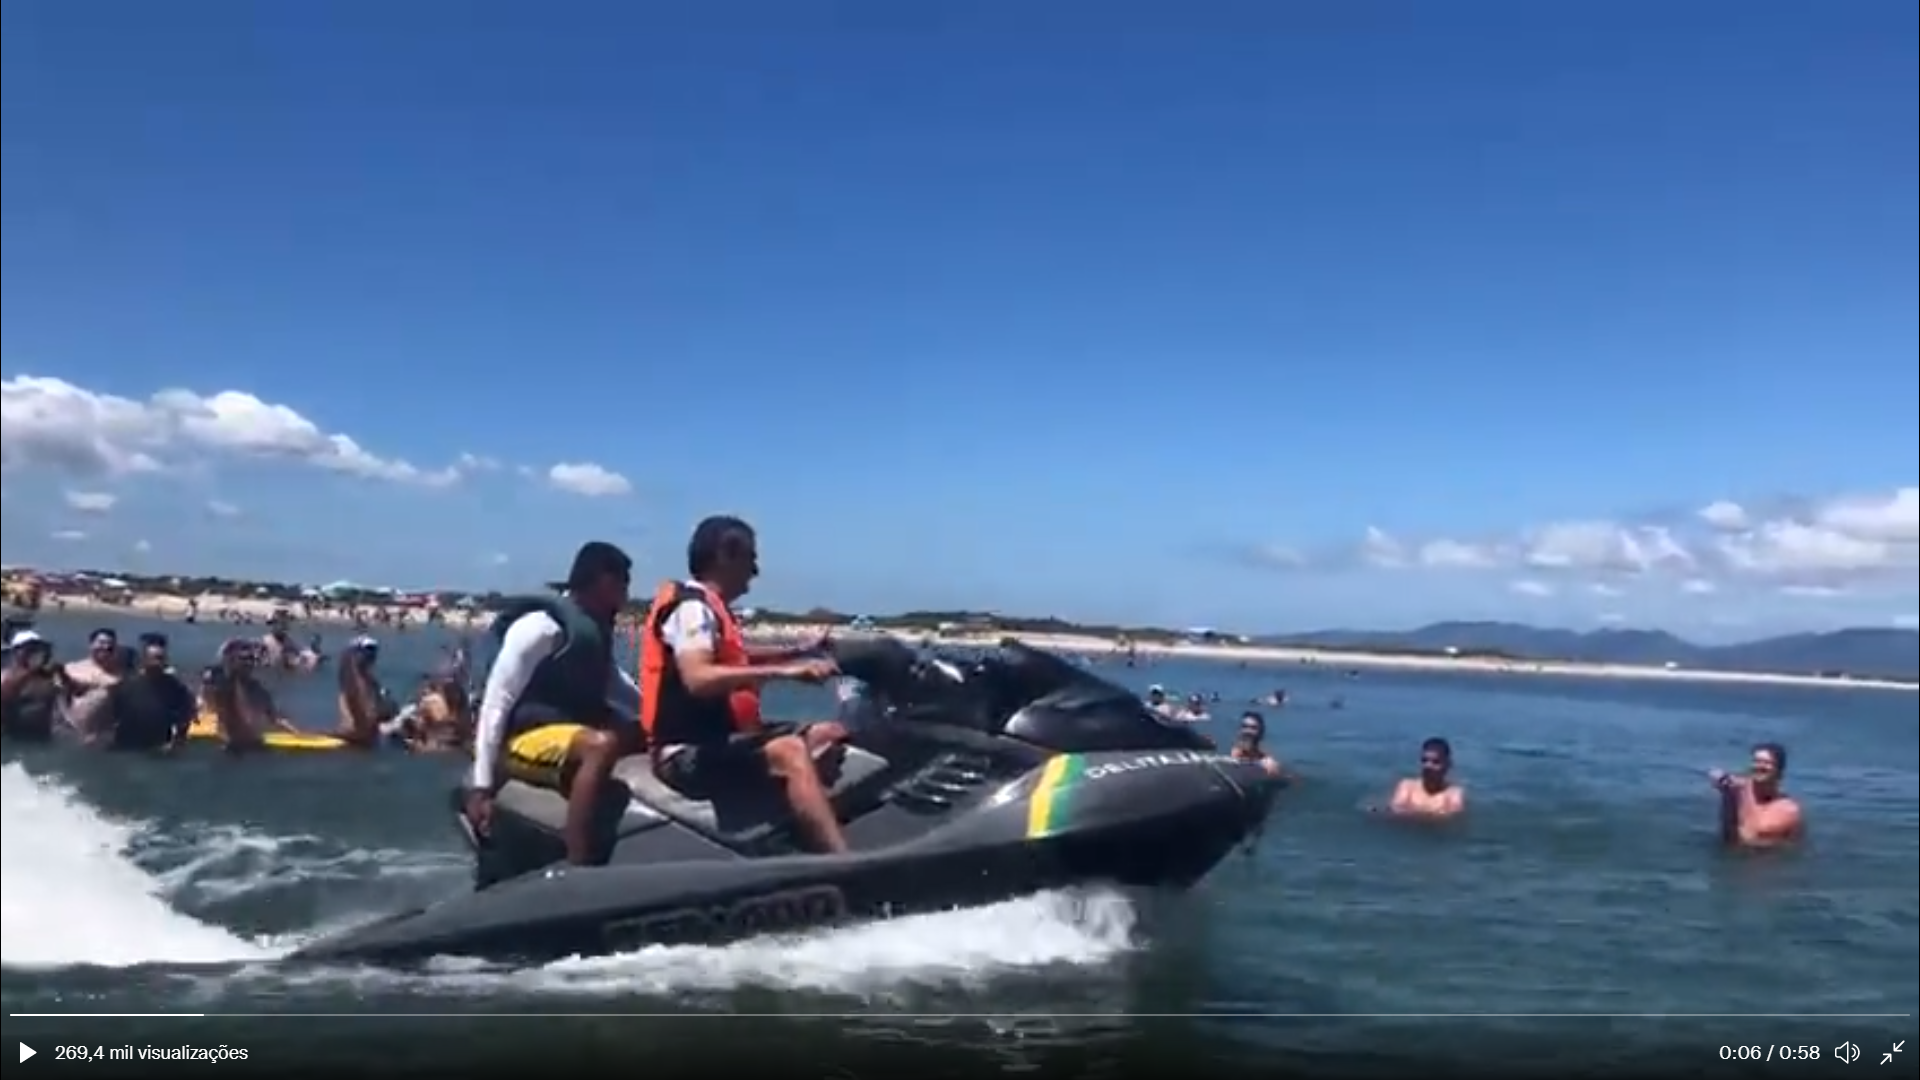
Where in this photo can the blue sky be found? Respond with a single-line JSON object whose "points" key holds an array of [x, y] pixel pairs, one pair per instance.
{"points": [[1269, 316]]}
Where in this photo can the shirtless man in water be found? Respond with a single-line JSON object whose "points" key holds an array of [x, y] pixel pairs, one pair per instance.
{"points": [[363, 702], [279, 650], [90, 678], [1754, 812], [232, 691], [1430, 794]]}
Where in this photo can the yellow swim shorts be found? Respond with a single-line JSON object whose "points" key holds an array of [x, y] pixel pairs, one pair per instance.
{"points": [[539, 755]]}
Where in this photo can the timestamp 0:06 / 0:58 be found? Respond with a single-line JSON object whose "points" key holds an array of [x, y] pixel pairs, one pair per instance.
{"points": [[1770, 1053]]}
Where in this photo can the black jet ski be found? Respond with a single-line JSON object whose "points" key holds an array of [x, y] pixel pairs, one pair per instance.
{"points": [[967, 780]]}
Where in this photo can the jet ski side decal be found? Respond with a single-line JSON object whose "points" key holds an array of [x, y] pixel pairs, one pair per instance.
{"points": [[790, 909], [1047, 807]]}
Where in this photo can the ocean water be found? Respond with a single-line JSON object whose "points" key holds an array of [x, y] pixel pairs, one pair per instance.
{"points": [[1581, 914]]}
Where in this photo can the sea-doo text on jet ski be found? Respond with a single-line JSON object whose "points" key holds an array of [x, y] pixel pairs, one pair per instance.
{"points": [[966, 781]]}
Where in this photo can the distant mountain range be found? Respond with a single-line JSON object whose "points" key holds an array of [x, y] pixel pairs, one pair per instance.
{"points": [[1861, 652]]}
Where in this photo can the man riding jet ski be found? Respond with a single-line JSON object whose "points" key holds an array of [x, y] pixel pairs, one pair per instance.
{"points": [[700, 688], [556, 701], [964, 779]]}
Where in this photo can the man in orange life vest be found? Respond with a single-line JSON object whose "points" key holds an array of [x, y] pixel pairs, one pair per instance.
{"points": [[700, 687]]}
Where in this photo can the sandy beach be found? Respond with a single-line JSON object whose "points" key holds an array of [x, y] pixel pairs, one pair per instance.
{"points": [[256, 611]]}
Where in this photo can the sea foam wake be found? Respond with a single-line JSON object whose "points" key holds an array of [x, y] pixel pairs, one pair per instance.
{"points": [[85, 890]]}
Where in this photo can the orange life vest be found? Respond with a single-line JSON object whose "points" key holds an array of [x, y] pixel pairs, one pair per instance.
{"points": [[669, 712]]}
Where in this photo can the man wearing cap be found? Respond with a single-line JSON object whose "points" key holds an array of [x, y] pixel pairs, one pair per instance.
{"points": [[1157, 700], [30, 689], [363, 704], [557, 708]]}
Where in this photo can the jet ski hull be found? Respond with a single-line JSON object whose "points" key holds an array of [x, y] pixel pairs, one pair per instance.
{"points": [[1155, 819]]}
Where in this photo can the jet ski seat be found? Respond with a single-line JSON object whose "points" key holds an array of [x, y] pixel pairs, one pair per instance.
{"points": [[547, 808], [743, 816]]}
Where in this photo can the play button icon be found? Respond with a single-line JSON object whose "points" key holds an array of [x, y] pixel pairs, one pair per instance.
{"points": [[26, 1051]]}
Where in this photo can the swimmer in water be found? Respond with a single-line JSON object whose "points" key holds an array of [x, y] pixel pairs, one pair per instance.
{"points": [[231, 690], [90, 677], [1754, 812], [31, 689], [1247, 746], [1431, 794], [279, 650], [440, 718], [363, 704], [1195, 711], [1157, 700]]}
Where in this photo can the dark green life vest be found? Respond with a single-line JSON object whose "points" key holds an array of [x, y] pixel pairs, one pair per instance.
{"points": [[571, 685]]}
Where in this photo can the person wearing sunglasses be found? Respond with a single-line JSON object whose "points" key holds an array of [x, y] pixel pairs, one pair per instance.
{"points": [[1754, 812], [1432, 794]]}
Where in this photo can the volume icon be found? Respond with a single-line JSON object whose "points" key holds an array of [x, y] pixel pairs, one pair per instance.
{"points": [[1846, 1052]]}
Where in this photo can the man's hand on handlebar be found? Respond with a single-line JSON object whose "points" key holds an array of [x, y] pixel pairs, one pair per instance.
{"points": [[810, 671]]}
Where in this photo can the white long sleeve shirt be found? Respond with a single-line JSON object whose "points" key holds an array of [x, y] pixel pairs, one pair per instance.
{"points": [[529, 640]]}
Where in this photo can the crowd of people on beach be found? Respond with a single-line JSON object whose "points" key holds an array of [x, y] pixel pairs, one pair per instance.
{"points": [[557, 704]]}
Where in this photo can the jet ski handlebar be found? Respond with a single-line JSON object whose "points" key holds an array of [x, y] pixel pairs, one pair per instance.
{"points": [[879, 660]]}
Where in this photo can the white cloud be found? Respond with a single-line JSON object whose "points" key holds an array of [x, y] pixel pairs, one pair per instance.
{"points": [[53, 424], [588, 479], [1892, 519], [1812, 592], [1611, 618], [1725, 515], [1604, 546], [1454, 554], [141, 547], [1907, 622], [1827, 543], [1381, 549], [222, 508], [1843, 538], [1530, 587], [71, 536], [1601, 588], [498, 558], [1698, 587], [91, 502]]}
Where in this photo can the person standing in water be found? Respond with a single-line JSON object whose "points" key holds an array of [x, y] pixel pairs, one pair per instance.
{"points": [[231, 690], [30, 689], [1432, 794], [362, 701], [1248, 745], [90, 677], [1195, 711], [150, 709], [1754, 812], [1157, 700]]}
